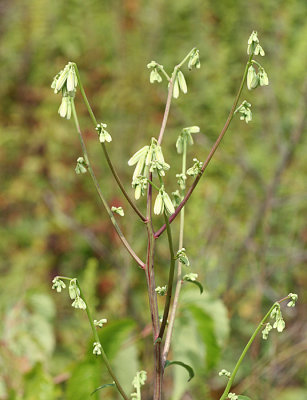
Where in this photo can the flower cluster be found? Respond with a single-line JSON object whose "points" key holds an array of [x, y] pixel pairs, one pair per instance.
{"points": [[66, 82], [147, 159], [100, 323], [191, 277], [58, 284], [196, 168], [118, 210], [182, 257], [186, 137], [163, 201], [181, 178], [253, 45], [103, 135], [255, 79], [161, 290], [97, 348], [154, 74], [81, 166], [194, 60], [245, 111], [232, 396], [138, 381], [224, 372], [293, 300]]}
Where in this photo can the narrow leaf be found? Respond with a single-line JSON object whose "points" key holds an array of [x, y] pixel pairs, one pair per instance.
{"points": [[102, 387], [201, 289], [182, 364]]}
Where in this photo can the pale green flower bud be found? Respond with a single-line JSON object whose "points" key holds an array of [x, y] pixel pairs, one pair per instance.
{"points": [[263, 77], [65, 107], [168, 203], [181, 180], [118, 210], [293, 298], [279, 324], [103, 134], [232, 396], [176, 88], [196, 168], [140, 153], [79, 303], [192, 277], [58, 284], [245, 111], [159, 205], [224, 372], [194, 60], [182, 82], [252, 78], [183, 258], [266, 331], [100, 323], [97, 348], [73, 289], [155, 76], [81, 166], [161, 290]]}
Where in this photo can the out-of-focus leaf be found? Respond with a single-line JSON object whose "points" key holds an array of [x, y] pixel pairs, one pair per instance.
{"points": [[125, 364], [114, 334], [240, 397], [39, 385], [205, 325], [182, 364], [84, 379]]}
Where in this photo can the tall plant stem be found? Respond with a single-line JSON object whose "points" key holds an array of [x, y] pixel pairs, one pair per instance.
{"points": [[246, 348], [212, 151], [170, 327], [170, 95], [104, 202], [170, 278], [152, 297], [113, 171], [97, 340]]}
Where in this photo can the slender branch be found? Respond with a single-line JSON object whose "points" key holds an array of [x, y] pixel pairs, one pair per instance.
{"points": [[170, 327], [170, 278], [103, 354], [215, 146], [246, 348], [170, 95], [96, 339], [113, 171], [104, 202]]}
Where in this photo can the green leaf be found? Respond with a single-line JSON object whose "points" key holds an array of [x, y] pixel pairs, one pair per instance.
{"points": [[39, 385], [240, 397], [206, 331], [102, 387], [113, 335], [182, 364], [84, 378], [197, 283]]}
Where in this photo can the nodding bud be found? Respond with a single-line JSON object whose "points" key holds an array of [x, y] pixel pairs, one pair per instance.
{"points": [[252, 78], [159, 205], [168, 203], [182, 82], [176, 89]]}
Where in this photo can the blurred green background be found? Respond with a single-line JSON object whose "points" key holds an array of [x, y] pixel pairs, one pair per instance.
{"points": [[246, 228]]}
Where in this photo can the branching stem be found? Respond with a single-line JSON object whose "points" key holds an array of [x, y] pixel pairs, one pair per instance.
{"points": [[113, 171], [246, 348], [104, 202], [215, 146]]}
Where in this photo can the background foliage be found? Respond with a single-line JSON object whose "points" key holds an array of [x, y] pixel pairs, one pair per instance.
{"points": [[245, 226]]}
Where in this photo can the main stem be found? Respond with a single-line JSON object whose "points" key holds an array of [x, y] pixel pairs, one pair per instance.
{"points": [[104, 202], [114, 173], [215, 146], [170, 328], [246, 348]]}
